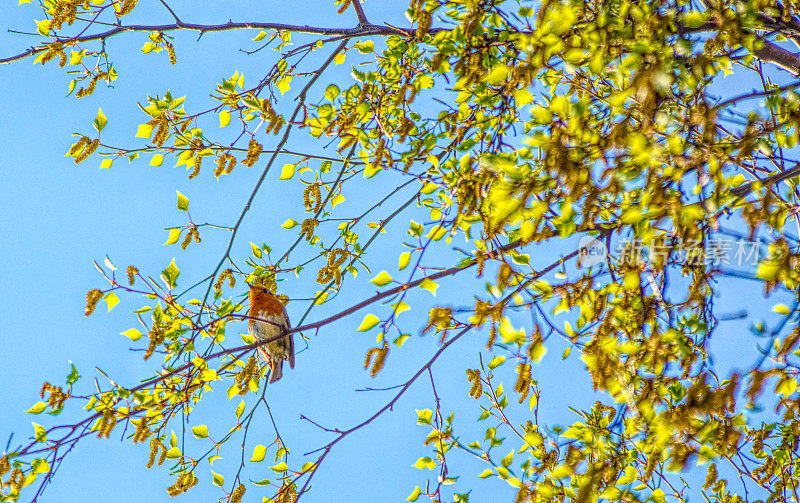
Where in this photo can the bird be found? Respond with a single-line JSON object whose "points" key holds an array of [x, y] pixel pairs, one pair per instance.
{"points": [[268, 319]]}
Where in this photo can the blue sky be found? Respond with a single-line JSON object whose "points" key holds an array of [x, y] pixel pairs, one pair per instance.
{"points": [[56, 217]]}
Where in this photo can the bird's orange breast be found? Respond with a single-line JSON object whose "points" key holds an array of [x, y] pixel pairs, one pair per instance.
{"points": [[262, 303]]}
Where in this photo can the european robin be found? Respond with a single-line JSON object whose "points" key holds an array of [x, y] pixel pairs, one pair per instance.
{"points": [[268, 319]]}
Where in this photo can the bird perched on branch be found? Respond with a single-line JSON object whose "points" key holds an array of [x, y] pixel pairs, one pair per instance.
{"points": [[268, 319]]}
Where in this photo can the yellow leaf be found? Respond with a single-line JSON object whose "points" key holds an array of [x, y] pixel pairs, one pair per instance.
{"points": [[339, 59], [368, 323], [496, 361], [414, 494], [111, 300], [283, 84], [382, 279], [429, 285], [183, 202], [200, 431], [425, 462], [287, 172], [219, 480], [43, 27], [781, 309], [106, 164], [258, 454], [144, 131], [132, 334], [157, 160], [405, 258], [37, 409], [289, 224], [224, 118], [337, 199], [279, 468], [436, 233], [174, 235]]}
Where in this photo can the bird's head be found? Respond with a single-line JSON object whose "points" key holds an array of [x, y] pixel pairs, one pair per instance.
{"points": [[259, 293]]}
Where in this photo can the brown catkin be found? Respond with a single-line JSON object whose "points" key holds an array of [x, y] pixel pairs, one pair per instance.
{"points": [[83, 92], [186, 240], [77, 147], [173, 59], [87, 151], [92, 298], [477, 387], [253, 152], [127, 7], [163, 455], [236, 496], [380, 359], [162, 132]]}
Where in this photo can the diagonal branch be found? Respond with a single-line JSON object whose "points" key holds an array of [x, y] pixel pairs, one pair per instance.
{"points": [[363, 28]]}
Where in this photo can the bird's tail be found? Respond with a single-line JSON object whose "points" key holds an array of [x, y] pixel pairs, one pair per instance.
{"points": [[276, 370]]}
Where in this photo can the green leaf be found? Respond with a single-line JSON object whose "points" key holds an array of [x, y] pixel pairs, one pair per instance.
{"points": [[287, 172], [424, 416], [365, 47], [414, 494], [331, 92], [100, 121], [258, 454], [425, 462], [279, 468], [255, 249], [39, 433], [240, 409], [40, 466], [200, 431], [38, 408], [183, 202], [506, 461], [170, 275], [111, 300], [405, 258], [174, 236], [219, 480], [173, 453], [73, 375], [368, 323], [132, 334], [213, 458], [429, 285], [382, 279]]}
